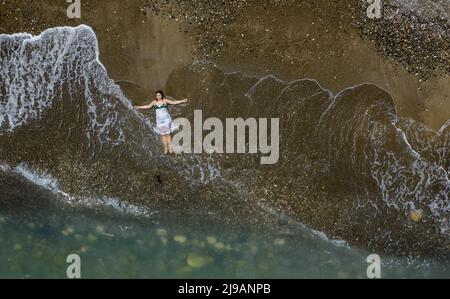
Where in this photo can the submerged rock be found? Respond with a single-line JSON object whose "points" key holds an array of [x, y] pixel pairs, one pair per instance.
{"points": [[199, 261], [180, 239]]}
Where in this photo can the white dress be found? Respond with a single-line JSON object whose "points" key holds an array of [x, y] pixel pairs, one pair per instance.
{"points": [[164, 123]]}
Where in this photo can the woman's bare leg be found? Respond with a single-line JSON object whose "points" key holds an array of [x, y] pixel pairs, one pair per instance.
{"points": [[169, 143], [163, 140]]}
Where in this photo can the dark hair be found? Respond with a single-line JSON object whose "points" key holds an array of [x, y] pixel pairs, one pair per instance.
{"points": [[162, 93]]}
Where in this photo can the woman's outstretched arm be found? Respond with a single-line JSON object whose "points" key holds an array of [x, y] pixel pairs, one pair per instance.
{"points": [[176, 102], [145, 106]]}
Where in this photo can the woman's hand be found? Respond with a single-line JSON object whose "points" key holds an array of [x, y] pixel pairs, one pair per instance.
{"points": [[185, 100]]}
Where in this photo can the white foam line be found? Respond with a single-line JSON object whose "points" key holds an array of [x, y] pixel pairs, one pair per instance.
{"points": [[38, 178], [444, 127], [49, 183], [322, 235]]}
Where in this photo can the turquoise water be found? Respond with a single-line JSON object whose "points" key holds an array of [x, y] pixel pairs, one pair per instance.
{"points": [[112, 245]]}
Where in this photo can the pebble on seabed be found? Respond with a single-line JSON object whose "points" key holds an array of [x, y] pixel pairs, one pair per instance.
{"points": [[279, 242], [185, 270], [211, 240], [180, 239], [100, 228], [161, 232], [198, 261], [92, 237], [163, 240], [219, 245], [415, 216]]}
